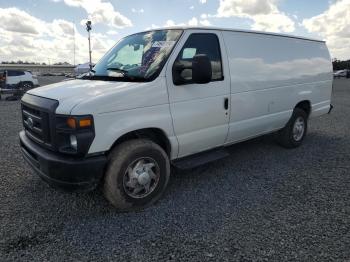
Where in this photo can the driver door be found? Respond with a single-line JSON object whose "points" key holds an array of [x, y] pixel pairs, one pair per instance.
{"points": [[200, 111]]}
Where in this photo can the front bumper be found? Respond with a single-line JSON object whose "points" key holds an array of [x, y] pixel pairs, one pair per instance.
{"points": [[61, 171]]}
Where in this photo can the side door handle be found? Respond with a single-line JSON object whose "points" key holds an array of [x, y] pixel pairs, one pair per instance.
{"points": [[226, 103]]}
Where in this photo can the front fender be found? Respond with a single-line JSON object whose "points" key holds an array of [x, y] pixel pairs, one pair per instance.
{"points": [[111, 126]]}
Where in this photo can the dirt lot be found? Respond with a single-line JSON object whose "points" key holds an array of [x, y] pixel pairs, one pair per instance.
{"points": [[261, 203]]}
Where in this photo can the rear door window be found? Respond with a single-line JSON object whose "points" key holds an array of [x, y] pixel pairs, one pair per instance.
{"points": [[15, 73]]}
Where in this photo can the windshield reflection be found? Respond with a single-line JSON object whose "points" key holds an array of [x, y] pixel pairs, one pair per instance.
{"points": [[139, 57]]}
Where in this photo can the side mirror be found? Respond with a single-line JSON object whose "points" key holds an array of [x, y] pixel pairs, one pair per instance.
{"points": [[201, 69]]}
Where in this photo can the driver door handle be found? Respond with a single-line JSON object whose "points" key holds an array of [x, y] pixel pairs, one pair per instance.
{"points": [[226, 103]]}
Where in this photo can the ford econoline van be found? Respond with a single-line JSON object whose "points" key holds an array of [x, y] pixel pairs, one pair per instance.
{"points": [[173, 97]]}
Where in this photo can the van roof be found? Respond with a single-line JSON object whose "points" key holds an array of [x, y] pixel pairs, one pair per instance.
{"points": [[238, 30]]}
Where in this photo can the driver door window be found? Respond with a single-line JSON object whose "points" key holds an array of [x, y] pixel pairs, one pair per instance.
{"points": [[196, 44]]}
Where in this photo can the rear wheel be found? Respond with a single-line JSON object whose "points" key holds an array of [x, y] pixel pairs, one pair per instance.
{"points": [[293, 134], [22, 88], [25, 86], [137, 174]]}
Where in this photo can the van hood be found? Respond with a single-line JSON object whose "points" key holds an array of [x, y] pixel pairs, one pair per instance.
{"points": [[77, 89], [107, 96]]}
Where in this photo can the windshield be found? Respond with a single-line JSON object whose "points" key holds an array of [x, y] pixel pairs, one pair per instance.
{"points": [[138, 57]]}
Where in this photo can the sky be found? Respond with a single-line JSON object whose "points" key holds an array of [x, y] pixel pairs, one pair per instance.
{"points": [[49, 30]]}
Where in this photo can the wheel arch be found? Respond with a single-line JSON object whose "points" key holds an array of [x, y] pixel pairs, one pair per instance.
{"points": [[305, 105], [156, 135]]}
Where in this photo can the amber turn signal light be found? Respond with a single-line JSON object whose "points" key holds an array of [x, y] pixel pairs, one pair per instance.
{"points": [[74, 123], [85, 123], [71, 123]]}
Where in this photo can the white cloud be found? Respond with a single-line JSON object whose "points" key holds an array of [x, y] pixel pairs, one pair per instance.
{"points": [[191, 7], [112, 32], [101, 12], [203, 1], [137, 10], [15, 20], [40, 41], [277, 22], [205, 22], [334, 26], [193, 22], [169, 23], [264, 13], [245, 7], [60, 27], [153, 26]]}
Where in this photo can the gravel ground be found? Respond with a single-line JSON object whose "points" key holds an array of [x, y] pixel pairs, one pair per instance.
{"points": [[261, 203]]}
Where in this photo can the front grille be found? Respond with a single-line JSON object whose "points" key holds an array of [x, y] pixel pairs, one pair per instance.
{"points": [[36, 124], [38, 115]]}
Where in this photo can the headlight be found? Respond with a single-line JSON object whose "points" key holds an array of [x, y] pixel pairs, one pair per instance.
{"points": [[74, 134]]}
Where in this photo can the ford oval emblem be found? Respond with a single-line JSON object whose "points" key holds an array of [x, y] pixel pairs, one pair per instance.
{"points": [[30, 122]]}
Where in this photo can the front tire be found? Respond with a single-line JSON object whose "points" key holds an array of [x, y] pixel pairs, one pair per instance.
{"points": [[137, 174], [293, 134]]}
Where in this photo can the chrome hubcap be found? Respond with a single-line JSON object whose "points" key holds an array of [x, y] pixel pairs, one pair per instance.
{"points": [[141, 177], [298, 129]]}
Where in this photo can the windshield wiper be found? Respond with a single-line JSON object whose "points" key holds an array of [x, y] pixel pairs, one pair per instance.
{"points": [[124, 72], [124, 75]]}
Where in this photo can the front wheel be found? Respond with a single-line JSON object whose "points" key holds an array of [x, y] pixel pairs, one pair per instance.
{"points": [[137, 174], [293, 134]]}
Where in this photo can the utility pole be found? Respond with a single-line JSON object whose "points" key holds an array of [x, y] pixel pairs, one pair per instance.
{"points": [[88, 29], [73, 43]]}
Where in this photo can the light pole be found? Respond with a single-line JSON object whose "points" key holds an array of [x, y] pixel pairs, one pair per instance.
{"points": [[88, 29], [73, 24]]}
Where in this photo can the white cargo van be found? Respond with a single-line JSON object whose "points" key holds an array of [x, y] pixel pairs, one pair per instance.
{"points": [[172, 97]]}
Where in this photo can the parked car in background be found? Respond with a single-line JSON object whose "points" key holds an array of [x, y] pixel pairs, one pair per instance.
{"points": [[341, 73], [82, 68], [21, 77], [17, 81]]}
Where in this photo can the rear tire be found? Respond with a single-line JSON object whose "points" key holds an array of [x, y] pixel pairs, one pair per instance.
{"points": [[23, 88], [293, 134], [137, 174]]}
